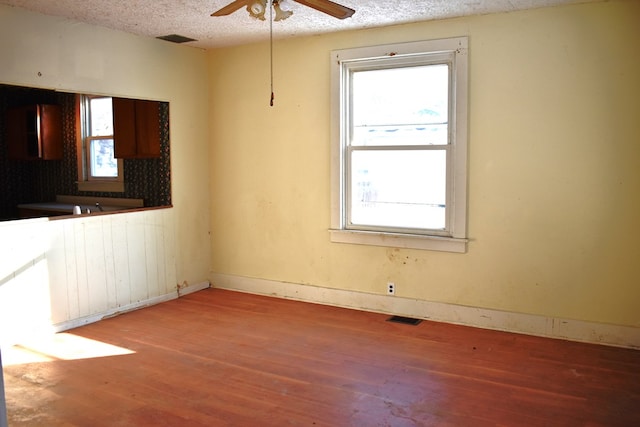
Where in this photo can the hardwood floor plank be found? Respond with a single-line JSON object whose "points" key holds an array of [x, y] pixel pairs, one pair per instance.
{"points": [[221, 358]]}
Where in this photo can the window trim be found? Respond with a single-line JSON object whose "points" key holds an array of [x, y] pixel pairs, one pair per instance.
{"points": [[402, 54]]}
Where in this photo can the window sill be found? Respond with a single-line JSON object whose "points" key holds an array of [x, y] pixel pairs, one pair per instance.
{"points": [[102, 186], [396, 240]]}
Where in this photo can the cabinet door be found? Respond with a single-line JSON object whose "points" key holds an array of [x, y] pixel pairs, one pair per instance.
{"points": [[148, 128], [136, 128], [124, 128], [50, 132], [17, 134], [34, 132]]}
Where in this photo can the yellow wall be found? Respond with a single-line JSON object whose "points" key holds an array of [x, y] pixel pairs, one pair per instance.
{"points": [[41, 51], [554, 182], [554, 175]]}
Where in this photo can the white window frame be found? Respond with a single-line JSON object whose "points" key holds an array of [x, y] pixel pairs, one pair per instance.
{"points": [[87, 182], [343, 62]]}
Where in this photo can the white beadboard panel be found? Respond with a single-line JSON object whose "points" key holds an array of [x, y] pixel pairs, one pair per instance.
{"points": [[74, 323], [79, 269], [109, 263], [95, 259], [136, 245], [58, 291], [161, 270], [24, 300], [120, 251], [151, 253], [77, 256], [573, 330], [71, 267], [169, 241]]}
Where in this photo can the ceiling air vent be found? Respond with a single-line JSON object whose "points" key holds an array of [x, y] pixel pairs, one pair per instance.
{"points": [[176, 38]]}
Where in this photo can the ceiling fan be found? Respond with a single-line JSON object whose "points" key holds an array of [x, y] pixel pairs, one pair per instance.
{"points": [[256, 8]]}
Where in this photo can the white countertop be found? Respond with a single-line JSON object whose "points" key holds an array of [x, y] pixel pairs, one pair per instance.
{"points": [[65, 207], [65, 204]]}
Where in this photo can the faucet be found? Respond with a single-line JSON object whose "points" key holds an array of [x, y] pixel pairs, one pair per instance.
{"points": [[99, 207]]}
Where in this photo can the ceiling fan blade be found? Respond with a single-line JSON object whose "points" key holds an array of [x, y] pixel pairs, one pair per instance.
{"points": [[231, 7], [330, 8]]}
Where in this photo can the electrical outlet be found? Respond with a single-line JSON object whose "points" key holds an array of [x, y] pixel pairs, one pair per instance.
{"points": [[391, 288]]}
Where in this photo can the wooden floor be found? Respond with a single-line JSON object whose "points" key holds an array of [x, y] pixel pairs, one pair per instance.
{"points": [[221, 358]]}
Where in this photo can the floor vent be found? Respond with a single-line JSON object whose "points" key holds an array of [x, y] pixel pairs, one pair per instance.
{"points": [[405, 320]]}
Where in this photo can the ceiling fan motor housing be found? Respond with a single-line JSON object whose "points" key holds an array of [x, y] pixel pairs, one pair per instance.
{"points": [[257, 8]]}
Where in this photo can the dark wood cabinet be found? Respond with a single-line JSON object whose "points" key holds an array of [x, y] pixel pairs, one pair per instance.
{"points": [[34, 132], [136, 128]]}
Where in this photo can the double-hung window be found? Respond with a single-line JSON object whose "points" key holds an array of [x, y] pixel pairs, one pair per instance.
{"points": [[101, 170], [400, 145]]}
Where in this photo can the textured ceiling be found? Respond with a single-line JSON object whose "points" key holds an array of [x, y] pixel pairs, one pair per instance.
{"points": [[191, 18]]}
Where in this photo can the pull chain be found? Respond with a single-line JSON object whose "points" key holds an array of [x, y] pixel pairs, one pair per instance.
{"points": [[271, 47]]}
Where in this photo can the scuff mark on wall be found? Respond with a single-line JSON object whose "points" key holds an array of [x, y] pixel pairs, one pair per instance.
{"points": [[181, 286]]}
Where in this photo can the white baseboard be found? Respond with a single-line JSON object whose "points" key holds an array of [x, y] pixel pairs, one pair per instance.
{"points": [[74, 323], [530, 324]]}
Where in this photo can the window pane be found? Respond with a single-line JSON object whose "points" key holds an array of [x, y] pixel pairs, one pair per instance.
{"points": [[101, 116], [103, 164], [404, 189], [401, 106]]}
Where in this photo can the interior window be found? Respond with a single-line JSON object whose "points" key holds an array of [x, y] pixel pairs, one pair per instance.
{"points": [[45, 155]]}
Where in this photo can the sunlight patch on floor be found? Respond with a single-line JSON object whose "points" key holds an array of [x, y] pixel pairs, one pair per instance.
{"points": [[61, 346]]}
